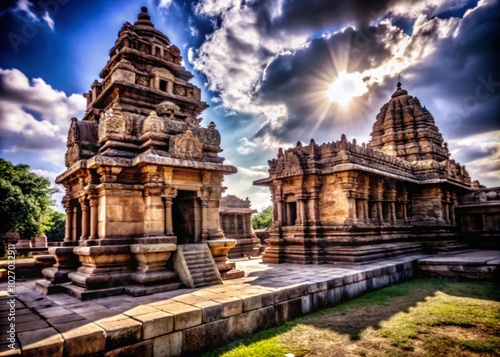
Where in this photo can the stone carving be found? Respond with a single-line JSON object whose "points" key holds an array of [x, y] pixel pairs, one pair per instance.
{"points": [[112, 122], [186, 146], [292, 162], [180, 90], [167, 110], [142, 80], [211, 135], [72, 155], [153, 124]]}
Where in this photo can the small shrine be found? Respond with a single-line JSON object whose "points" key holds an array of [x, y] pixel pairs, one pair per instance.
{"points": [[143, 180], [236, 221], [341, 202]]}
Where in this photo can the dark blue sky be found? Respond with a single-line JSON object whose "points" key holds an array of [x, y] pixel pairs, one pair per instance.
{"points": [[266, 68]]}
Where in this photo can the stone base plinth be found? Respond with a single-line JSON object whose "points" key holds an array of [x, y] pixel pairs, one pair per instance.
{"points": [[89, 294], [245, 247], [47, 288], [102, 266]]}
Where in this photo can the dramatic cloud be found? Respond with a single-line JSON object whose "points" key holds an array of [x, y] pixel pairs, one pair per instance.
{"points": [[25, 7], [480, 154], [35, 117]]}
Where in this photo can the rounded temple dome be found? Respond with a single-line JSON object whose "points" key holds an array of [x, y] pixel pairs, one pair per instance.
{"points": [[143, 18]]}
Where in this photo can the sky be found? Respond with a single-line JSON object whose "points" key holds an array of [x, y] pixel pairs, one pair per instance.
{"points": [[273, 72]]}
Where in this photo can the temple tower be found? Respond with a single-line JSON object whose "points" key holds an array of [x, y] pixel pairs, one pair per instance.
{"points": [[143, 178], [345, 202]]}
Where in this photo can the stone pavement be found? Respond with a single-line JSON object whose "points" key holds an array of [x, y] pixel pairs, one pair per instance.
{"points": [[187, 320]]}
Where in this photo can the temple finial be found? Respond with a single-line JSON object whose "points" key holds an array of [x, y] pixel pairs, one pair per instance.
{"points": [[399, 81]]}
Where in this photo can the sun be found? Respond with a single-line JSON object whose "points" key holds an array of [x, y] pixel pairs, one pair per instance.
{"points": [[345, 87]]}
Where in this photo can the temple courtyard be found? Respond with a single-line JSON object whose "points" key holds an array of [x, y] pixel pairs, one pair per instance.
{"points": [[186, 321]]}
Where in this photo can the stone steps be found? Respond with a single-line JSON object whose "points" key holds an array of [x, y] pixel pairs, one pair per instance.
{"points": [[196, 266]]}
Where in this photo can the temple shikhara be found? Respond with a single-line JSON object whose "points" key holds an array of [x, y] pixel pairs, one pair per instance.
{"points": [[342, 202], [144, 179]]}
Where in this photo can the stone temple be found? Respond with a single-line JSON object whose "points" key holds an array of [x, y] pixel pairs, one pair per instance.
{"points": [[342, 202], [144, 179]]}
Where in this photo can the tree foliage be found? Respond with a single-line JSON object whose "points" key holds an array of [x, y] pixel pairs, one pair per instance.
{"points": [[54, 226], [263, 219], [25, 200]]}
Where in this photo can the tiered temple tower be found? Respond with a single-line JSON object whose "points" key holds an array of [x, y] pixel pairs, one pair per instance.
{"points": [[143, 178], [344, 202]]}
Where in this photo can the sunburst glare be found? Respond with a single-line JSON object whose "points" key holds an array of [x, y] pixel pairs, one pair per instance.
{"points": [[345, 87]]}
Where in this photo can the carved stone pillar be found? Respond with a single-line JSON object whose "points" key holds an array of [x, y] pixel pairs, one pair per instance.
{"points": [[452, 209], [85, 221], [74, 234], [93, 217], [280, 212], [302, 211], [204, 219], [169, 227], [69, 223]]}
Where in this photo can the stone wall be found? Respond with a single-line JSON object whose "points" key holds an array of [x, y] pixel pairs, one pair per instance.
{"points": [[478, 215]]}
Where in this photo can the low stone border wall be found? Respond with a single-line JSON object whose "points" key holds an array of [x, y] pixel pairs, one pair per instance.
{"points": [[192, 320]]}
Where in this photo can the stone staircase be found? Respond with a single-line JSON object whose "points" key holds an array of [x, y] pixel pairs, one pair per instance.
{"points": [[196, 266]]}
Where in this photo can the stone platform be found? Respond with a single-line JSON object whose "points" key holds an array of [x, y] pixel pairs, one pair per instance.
{"points": [[476, 264], [189, 320]]}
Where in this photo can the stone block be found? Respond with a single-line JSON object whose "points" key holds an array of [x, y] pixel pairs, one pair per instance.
{"points": [[231, 305], [168, 345], [334, 296], [82, 338], [247, 323], [120, 333], [251, 302], [306, 304], [206, 336], [155, 324], [31, 325], [320, 299], [185, 316], [65, 319], [287, 310], [53, 312], [142, 349], [139, 310], [6, 351], [45, 342], [317, 286], [212, 311]]}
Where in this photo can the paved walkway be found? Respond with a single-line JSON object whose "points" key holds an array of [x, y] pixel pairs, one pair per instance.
{"points": [[161, 324]]}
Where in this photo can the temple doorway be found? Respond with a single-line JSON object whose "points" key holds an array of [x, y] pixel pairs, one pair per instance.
{"points": [[184, 216]]}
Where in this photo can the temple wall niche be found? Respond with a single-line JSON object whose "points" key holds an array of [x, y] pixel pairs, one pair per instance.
{"points": [[120, 213], [333, 203], [427, 206]]}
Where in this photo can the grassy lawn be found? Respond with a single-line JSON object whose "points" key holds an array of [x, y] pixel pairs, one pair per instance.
{"points": [[422, 317]]}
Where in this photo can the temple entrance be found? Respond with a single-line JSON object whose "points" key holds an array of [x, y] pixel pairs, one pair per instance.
{"points": [[184, 216]]}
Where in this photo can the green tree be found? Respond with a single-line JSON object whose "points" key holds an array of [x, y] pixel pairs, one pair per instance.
{"points": [[25, 200], [54, 226], [263, 219]]}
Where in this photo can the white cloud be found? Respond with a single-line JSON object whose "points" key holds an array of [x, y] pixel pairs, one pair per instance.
{"points": [[480, 154], [247, 147], [25, 7], [46, 17], [165, 4], [252, 173], [35, 117], [214, 7]]}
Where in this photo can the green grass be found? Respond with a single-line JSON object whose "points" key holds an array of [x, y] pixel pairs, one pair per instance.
{"points": [[431, 317]]}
